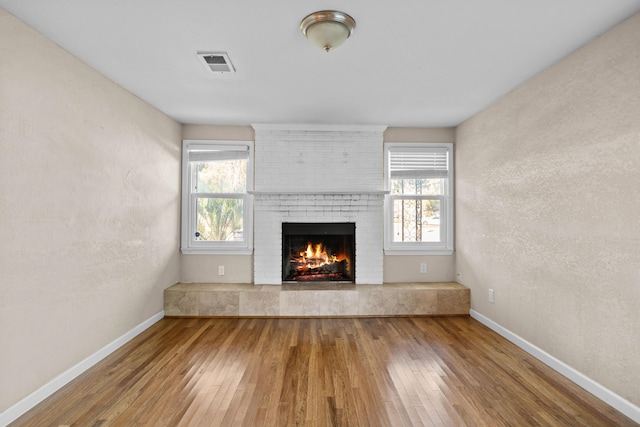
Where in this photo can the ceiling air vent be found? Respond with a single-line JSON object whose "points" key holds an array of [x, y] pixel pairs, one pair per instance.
{"points": [[216, 62]]}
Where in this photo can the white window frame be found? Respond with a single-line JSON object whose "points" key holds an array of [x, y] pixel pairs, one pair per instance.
{"points": [[445, 247], [189, 245]]}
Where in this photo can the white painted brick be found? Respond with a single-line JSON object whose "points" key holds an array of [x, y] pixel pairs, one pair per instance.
{"points": [[290, 161]]}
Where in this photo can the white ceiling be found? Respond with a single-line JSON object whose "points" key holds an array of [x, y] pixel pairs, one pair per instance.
{"points": [[409, 63]]}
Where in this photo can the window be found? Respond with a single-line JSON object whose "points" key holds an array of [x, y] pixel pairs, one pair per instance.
{"points": [[216, 204], [419, 203]]}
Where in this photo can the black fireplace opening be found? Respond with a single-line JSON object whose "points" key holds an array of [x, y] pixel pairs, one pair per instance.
{"points": [[314, 252]]}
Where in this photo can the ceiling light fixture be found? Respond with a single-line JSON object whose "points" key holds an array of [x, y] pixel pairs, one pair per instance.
{"points": [[327, 29]]}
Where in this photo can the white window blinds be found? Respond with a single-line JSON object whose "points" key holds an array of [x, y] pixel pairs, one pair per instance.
{"points": [[219, 153], [416, 163]]}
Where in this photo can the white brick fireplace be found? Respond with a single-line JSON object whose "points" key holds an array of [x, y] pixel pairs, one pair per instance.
{"points": [[318, 173]]}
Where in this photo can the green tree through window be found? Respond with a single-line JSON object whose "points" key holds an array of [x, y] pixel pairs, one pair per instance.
{"points": [[220, 218]]}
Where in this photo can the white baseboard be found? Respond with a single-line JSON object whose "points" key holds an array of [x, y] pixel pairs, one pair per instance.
{"points": [[20, 408], [629, 409]]}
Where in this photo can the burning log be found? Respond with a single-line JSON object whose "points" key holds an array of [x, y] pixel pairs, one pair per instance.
{"points": [[305, 269]]}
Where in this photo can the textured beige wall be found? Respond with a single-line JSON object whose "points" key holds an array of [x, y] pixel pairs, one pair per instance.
{"points": [[548, 182], [203, 268], [228, 133], [394, 134], [89, 210], [406, 268], [239, 268]]}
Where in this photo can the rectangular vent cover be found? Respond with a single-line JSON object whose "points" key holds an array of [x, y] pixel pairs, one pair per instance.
{"points": [[216, 62]]}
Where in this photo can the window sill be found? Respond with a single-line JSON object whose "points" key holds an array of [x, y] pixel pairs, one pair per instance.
{"points": [[414, 251], [216, 251]]}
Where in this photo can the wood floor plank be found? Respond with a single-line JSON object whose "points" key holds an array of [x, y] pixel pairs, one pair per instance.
{"points": [[438, 371]]}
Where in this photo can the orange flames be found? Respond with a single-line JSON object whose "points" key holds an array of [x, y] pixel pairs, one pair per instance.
{"points": [[316, 256]]}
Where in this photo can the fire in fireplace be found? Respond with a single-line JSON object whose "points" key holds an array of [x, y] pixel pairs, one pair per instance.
{"points": [[314, 252]]}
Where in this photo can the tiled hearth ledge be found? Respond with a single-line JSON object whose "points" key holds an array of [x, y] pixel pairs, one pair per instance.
{"points": [[316, 300]]}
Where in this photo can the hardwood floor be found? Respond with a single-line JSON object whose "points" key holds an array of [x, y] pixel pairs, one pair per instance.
{"points": [[429, 371]]}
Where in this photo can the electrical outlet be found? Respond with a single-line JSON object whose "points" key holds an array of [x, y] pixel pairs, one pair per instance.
{"points": [[423, 267], [491, 296], [221, 270]]}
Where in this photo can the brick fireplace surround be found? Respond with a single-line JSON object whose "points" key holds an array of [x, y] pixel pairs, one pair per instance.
{"points": [[318, 174]]}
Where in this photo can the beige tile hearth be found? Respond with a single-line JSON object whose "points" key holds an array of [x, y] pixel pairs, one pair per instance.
{"points": [[315, 299]]}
